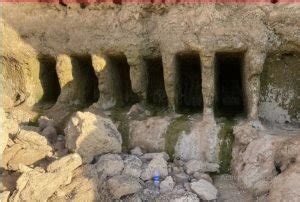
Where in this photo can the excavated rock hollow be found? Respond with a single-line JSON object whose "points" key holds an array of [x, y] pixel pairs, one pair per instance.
{"points": [[121, 54]]}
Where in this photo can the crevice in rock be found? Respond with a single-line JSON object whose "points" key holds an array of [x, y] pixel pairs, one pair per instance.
{"points": [[156, 93], [49, 80], [121, 80], [189, 83], [229, 84]]}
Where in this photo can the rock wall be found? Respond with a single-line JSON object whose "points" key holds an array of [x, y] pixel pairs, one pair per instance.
{"points": [[103, 54]]}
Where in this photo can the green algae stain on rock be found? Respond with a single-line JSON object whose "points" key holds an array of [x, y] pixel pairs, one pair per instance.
{"points": [[175, 129], [118, 115], [226, 139], [279, 98]]}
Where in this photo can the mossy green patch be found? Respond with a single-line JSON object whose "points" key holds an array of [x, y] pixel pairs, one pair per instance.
{"points": [[176, 128], [119, 115], [226, 138]]}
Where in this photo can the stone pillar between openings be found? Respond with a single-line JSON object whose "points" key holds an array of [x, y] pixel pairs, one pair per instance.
{"points": [[254, 61], [169, 64], [208, 82], [65, 78], [103, 70], [138, 76]]}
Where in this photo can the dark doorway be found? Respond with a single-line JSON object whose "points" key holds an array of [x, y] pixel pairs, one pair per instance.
{"points": [[49, 79], [156, 93], [189, 86], [121, 80], [229, 87], [86, 80]]}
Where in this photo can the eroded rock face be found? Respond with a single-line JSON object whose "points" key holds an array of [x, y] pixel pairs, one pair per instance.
{"points": [[259, 156], [200, 143], [28, 148], [286, 186], [91, 135], [36, 184], [149, 134]]}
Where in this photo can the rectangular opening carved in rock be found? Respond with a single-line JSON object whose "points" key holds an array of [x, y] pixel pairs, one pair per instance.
{"points": [[156, 93], [120, 73], [229, 84], [189, 82], [49, 79], [86, 80]]}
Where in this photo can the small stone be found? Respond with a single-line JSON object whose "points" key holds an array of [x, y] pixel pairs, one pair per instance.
{"points": [[132, 166], [204, 189], [150, 156], [193, 166], [187, 186], [155, 165], [110, 164], [45, 121], [122, 185], [50, 133], [167, 185], [136, 151], [204, 176], [181, 178]]}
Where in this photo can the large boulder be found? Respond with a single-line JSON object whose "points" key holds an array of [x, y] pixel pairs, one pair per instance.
{"points": [[200, 143], [254, 166], [36, 184], [149, 134], [286, 186], [122, 185], [91, 135], [85, 186], [28, 147]]}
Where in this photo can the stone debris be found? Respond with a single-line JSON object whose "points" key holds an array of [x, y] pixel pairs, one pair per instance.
{"points": [[132, 166], [110, 164], [193, 166], [36, 184], [167, 185], [91, 135], [122, 185], [157, 164], [136, 151], [28, 148], [286, 186], [204, 189]]}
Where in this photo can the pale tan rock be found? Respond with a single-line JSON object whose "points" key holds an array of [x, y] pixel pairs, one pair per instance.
{"points": [[67, 163], [84, 186], [29, 147], [110, 164], [122, 185], [204, 189], [90, 135], [155, 165], [4, 196], [149, 134], [36, 184], [286, 186]]}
